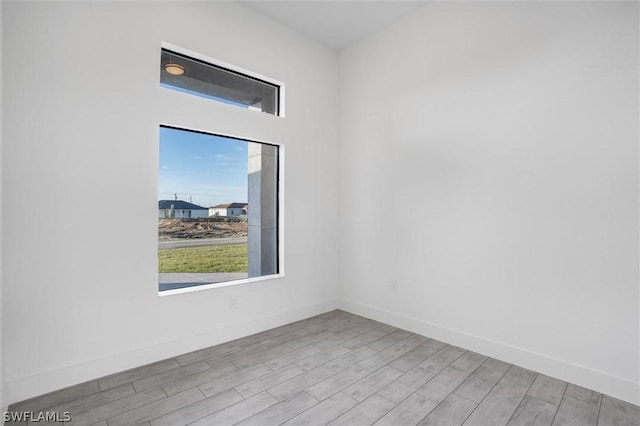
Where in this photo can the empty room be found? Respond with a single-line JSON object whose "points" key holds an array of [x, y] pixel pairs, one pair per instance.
{"points": [[320, 212]]}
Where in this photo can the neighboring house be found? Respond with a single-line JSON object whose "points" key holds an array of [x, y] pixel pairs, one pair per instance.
{"points": [[180, 209], [233, 209]]}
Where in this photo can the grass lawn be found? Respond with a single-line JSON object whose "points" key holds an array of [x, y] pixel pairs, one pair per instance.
{"points": [[222, 258]]}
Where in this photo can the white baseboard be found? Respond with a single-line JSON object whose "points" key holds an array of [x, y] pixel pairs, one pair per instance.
{"points": [[39, 384], [28, 387], [599, 381]]}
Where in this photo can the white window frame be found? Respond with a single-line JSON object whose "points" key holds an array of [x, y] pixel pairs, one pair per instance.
{"points": [[281, 174]]}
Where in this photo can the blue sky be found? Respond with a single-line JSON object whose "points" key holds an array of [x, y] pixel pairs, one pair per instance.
{"points": [[209, 169]]}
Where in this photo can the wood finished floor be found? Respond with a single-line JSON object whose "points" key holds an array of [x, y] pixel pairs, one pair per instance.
{"points": [[337, 369]]}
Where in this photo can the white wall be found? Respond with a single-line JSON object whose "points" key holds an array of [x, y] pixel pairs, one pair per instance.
{"points": [[3, 393], [82, 106], [511, 129], [217, 212], [182, 213], [199, 213]]}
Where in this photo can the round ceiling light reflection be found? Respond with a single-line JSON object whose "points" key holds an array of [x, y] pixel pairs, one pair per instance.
{"points": [[174, 69]]}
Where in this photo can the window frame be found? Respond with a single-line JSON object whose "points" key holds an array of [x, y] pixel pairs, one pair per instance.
{"points": [[279, 215], [180, 123]]}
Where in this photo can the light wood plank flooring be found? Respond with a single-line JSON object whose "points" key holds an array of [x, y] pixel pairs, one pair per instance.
{"points": [[337, 369]]}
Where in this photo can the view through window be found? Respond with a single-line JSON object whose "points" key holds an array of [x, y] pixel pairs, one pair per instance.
{"points": [[217, 209]]}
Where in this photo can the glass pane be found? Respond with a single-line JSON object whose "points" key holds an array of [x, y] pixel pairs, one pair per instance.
{"points": [[189, 75], [217, 209]]}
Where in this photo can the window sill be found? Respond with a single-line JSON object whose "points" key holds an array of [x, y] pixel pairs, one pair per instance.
{"points": [[209, 286]]}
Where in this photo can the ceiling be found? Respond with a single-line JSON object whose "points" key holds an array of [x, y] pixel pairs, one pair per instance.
{"points": [[336, 24]]}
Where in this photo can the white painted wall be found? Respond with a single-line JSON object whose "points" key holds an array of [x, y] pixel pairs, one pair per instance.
{"points": [[200, 213], [182, 213], [511, 129], [226, 212], [3, 393], [217, 212], [85, 105]]}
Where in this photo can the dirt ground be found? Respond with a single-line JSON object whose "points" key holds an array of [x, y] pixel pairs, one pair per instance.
{"points": [[170, 229]]}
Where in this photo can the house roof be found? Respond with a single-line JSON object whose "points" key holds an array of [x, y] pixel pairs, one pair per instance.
{"points": [[230, 206], [178, 205]]}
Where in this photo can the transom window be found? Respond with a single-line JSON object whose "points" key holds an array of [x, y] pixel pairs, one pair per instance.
{"points": [[197, 77]]}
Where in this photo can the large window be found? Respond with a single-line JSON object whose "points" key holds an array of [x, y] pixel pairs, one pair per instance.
{"points": [[218, 218], [217, 209]]}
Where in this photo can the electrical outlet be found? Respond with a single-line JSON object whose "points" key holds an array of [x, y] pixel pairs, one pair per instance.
{"points": [[233, 303], [394, 286]]}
